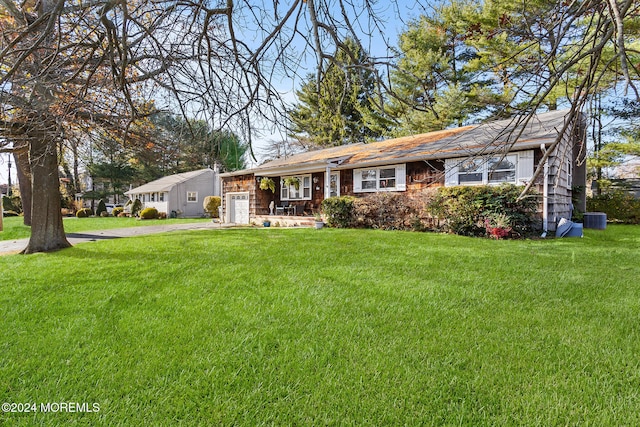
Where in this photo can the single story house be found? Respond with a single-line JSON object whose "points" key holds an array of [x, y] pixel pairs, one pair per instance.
{"points": [[504, 151], [181, 194]]}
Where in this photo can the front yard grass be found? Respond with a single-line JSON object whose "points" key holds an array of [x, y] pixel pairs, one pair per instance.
{"points": [[14, 228], [329, 327]]}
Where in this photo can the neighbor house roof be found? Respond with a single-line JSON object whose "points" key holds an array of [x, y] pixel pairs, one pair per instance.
{"points": [[167, 183], [492, 137]]}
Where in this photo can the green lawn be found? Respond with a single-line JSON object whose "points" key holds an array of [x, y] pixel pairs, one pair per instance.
{"points": [[15, 229], [331, 327]]}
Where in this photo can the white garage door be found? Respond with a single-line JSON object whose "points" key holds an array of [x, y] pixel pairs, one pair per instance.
{"points": [[239, 208]]}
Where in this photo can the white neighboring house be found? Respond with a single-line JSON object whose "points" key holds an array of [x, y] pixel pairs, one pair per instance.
{"points": [[181, 194]]}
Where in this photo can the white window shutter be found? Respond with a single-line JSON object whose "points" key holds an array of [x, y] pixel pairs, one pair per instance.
{"points": [[525, 166], [451, 172], [401, 177], [357, 180]]}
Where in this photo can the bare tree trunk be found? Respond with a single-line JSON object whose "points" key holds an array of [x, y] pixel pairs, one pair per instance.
{"points": [[47, 230], [21, 156]]}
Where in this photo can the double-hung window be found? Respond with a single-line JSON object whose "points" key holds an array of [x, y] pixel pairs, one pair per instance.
{"points": [[386, 178], [501, 169], [192, 196], [471, 171], [516, 168], [296, 187]]}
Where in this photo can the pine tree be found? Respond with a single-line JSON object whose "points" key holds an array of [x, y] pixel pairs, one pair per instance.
{"points": [[434, 85], [339, 109]]}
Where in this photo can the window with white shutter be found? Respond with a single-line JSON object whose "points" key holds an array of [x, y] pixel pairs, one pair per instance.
{"points": [[385, 178]]}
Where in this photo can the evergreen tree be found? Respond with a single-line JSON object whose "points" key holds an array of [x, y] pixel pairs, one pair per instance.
{"points": [[339, 108], [434, 85]]}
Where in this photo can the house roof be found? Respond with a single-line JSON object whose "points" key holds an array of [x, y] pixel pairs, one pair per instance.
{"points": [[493, 137], [167, 183]]}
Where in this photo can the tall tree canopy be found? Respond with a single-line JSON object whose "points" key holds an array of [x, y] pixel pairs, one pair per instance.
{"points": [[435, 84], [500, 57], [340, 108]]}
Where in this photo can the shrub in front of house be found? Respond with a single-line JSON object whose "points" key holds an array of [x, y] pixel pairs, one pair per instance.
{"points": [[211, 205], [84, 213], [149, 213], [386, 211], [102, 207], [136, 207], [339, 211], [618, 205], [486, 211], [117, 211]]}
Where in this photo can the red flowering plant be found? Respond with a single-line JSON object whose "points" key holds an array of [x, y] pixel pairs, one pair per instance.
{"points": [[498, 226]]}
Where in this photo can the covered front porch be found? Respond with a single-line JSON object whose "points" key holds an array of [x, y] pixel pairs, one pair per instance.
{"points": [[289, 196]]}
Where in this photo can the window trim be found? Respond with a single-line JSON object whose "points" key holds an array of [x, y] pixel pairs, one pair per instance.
{"points": [[196, 196], [399, 177], [285, 191], [512, 158], [518, 159]]}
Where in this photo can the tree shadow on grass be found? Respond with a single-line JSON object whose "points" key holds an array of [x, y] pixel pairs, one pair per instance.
{"points": [[137, 248]]}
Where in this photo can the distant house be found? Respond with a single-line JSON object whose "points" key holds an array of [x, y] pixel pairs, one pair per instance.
{"points": [[487, 154], [181, 194]]}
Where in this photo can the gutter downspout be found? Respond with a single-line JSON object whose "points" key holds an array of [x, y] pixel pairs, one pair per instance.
{"points": [[545, 195]]}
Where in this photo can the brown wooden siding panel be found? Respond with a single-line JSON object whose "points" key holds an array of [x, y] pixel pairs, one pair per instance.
{"points": [[422, 175], [346, 182]]}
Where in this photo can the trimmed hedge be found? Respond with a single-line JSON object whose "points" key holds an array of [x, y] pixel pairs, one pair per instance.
{"points": [[388, 211], [339, 212], [618, 205], [470, 211], [149, 213], [84, 213]]}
